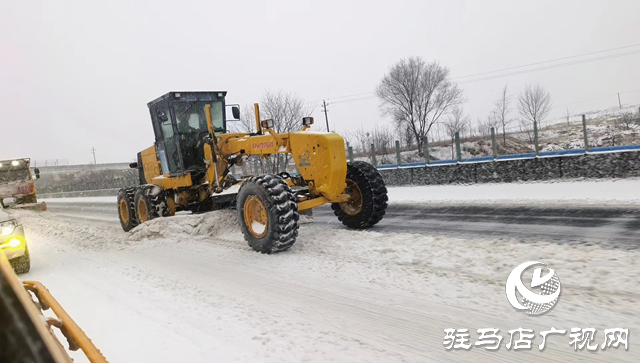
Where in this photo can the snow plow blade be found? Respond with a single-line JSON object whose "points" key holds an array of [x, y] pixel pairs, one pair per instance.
{"points": [[28, 331], [38, 207]]}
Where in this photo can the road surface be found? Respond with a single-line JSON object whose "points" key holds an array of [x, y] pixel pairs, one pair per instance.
{"points": [[189, 289], [609, 227]]}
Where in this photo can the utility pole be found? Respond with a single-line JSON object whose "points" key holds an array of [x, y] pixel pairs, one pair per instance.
{"points": [[619, 103], [324, 109], [93, 150]]}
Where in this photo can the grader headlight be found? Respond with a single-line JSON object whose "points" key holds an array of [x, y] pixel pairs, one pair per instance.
{"points": [[266, 124], [307, 121]]}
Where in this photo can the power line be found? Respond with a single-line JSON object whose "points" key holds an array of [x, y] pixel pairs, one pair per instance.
{"points": [[549, 67], [547, 61], [596, 98], [355, 99], [338, 97], [566, 64]]}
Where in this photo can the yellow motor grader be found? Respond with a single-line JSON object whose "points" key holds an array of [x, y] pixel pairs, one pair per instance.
{"points": [[188, 168]]}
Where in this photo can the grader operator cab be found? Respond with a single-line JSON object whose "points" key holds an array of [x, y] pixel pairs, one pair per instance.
{"points": [[189, 166]]}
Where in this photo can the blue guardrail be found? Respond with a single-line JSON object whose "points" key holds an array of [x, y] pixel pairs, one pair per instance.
{"points": [[484, 159]]}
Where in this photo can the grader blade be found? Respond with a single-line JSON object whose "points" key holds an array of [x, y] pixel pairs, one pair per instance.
{"points": [[38, 207]]}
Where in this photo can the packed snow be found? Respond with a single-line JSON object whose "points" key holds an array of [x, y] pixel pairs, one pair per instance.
{"points": [[188, 288]]}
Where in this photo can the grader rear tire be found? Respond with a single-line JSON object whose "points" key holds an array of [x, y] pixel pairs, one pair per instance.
{"points": [[126, 209], [145, 204], [268, 214], [368, 202]]}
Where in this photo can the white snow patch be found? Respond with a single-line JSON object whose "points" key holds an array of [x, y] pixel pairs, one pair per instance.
{"points": [[222, 224], [611, 191], [258, 227]]}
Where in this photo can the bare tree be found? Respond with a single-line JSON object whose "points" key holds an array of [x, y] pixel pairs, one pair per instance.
{"points": [[383, 139], [612, 132], [525, 128], [500, 113], [627, 119], [457, 122], [348, 137], [416, 94], [534, 104], [484, 125], [286, 110], [567, 116], [406, 136], [361, 136]]}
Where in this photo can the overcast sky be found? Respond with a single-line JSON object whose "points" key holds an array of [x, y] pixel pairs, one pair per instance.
{"points": [[78, 74]]}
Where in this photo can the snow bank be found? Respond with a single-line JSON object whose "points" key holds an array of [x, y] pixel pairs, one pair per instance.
{"points": [[220, 224]]}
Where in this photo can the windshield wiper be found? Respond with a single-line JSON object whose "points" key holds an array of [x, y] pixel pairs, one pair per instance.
{"points": [[187, 109]]}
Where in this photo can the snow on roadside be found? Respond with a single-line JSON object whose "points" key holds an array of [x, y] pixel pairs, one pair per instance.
{"points": [[220, 224], [446, 269], [587, 192], [112, 199]]}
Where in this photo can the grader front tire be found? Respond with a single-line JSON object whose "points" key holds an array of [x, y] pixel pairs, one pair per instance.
{"points": [[268, 214], [368, 202]]}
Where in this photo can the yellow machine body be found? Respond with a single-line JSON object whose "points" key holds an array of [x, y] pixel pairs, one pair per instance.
{"points": [[320, 157], [190, 167]]}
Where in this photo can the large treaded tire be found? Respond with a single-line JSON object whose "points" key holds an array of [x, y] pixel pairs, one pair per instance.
{"points": [[144, 194], [282, 212], [22, 264], [126, 195], [374, 196]]}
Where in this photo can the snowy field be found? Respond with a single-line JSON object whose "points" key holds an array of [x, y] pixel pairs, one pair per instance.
{"points": [[189, 289]]}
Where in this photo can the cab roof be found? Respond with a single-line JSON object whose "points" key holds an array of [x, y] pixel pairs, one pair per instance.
{"points": [[189, 96]]}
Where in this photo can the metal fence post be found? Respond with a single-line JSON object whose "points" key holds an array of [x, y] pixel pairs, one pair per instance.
{"points": [[458, 150], [398, 157], [373, 156], [425, 145], [584, 131], [535, 138], [350, 150], [494, 145]]}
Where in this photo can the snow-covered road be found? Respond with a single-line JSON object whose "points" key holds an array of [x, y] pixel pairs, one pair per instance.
{"points": [[189, 289]]}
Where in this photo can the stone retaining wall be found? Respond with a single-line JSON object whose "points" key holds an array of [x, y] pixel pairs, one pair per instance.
{"points": [[595, 166]]}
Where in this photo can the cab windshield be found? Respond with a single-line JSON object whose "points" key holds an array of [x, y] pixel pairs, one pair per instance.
{"points": [[14, 175], [191, 117]]}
